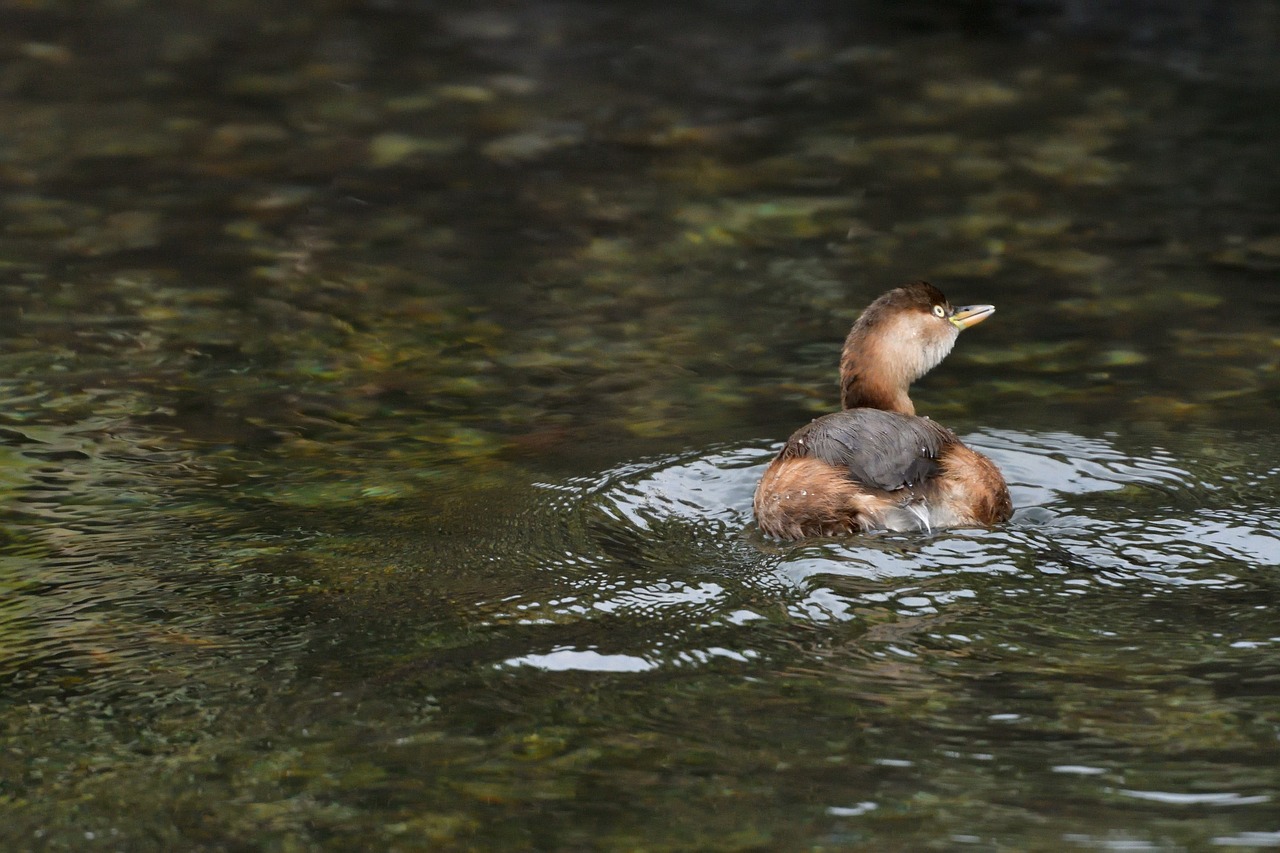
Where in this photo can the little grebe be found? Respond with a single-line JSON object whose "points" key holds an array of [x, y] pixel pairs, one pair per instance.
{"points": [[875, 464]]}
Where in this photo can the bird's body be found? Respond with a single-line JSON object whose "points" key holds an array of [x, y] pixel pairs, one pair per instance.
{"points": [[876, 465]]}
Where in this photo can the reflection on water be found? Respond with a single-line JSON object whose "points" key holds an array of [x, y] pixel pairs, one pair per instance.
{"points": [[1112, 631], [1107, 652], [1088, 516], [383, 386]]}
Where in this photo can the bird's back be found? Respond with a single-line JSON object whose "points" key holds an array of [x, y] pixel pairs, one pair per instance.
{"points": [[863, 469]]}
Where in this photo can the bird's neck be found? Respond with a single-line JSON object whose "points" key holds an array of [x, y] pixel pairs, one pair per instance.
{"points": [[858, 393], [867, 379]]}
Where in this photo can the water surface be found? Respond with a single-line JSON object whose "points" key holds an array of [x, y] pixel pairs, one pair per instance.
{"points": [[384, 387]]}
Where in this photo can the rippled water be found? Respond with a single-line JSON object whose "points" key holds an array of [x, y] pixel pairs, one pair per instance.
{"points": [[1089, 519], [383, 387], [626, 658], [1109, 653]]}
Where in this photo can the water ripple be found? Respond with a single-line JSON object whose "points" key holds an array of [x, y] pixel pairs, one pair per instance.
{"points": [[669, 541]]}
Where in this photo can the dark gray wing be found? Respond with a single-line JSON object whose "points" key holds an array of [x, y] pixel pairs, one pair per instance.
{"points": [[886, 450]]}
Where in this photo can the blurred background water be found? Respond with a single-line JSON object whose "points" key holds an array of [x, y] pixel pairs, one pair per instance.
{"points": [[383, 386]]}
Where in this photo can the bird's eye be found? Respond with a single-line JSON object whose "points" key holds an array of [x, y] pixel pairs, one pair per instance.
{"points": [[939, 311]]}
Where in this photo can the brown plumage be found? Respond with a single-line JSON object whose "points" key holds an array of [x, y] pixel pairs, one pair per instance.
{"points": [[875, 464]]}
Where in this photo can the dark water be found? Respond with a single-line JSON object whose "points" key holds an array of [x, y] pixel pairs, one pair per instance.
{"points": [[383, 387]]}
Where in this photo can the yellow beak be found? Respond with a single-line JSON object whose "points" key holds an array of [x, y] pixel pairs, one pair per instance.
{"points": [[971, 315]]}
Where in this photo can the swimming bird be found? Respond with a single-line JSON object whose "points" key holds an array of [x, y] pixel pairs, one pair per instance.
{"points": [[876, 464]]}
